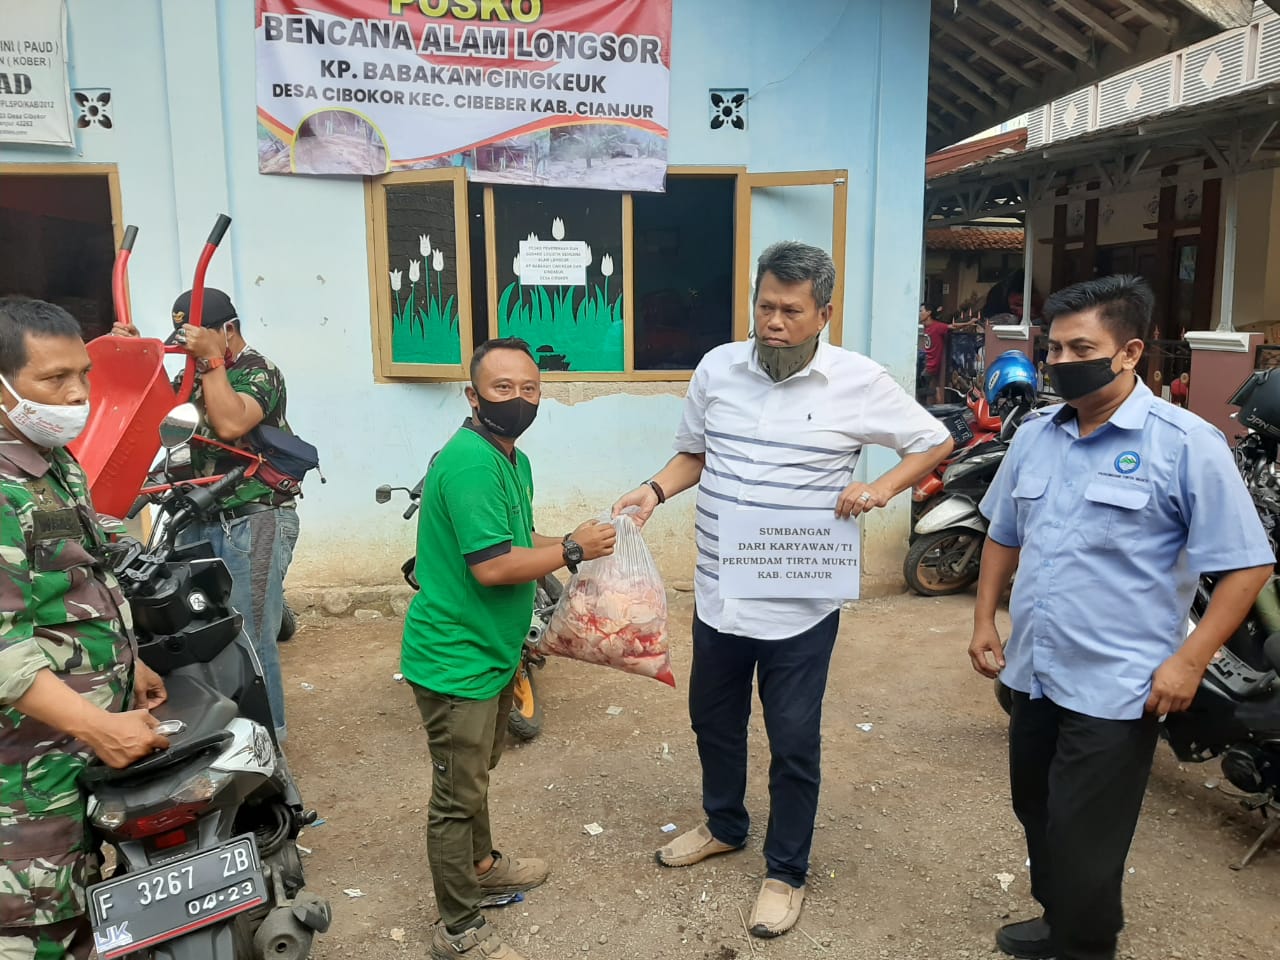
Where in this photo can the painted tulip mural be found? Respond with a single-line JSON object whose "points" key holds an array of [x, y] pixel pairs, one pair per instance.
{"points": [[425, 325], [570, 327]]}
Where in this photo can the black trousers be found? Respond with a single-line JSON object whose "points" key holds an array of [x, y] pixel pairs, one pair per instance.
{"points": [[792, 675], [1077, 785]]}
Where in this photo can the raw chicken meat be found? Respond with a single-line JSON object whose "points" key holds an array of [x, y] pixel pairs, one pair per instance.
{"points": [[614, 612]]}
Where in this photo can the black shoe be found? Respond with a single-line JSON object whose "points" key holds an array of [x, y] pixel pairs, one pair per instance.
{"points": [[1028, 940]]}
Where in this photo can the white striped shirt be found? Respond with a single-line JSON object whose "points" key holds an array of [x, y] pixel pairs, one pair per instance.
{"points": [[791, 446]]}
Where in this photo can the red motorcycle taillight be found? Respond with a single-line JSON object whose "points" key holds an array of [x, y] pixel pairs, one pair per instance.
{"points": [[166, 821], [167, 841]]}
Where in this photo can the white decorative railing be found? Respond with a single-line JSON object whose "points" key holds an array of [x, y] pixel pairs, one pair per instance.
{"points": [[1221, 66]]}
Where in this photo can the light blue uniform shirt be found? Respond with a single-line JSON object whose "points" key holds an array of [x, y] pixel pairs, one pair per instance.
{"points": [[1114, 529]]}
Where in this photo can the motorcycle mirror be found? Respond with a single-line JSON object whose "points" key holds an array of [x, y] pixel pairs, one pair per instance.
{"points": [[179, 426], [382, 494]]}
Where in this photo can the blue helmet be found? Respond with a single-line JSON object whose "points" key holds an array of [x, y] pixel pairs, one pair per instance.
{"points": [[1009, 375]]}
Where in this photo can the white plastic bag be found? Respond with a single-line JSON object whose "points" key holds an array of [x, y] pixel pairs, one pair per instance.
{"points": [[614, 611]]}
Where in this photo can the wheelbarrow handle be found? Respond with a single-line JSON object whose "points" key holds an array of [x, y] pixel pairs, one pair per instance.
{"points": [[197, 298], [120, 277]]}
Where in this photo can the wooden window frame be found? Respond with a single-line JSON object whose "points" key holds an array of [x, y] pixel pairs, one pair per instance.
{"points": [[385, 367], [838, 180], [386, 370], [109, 170]]}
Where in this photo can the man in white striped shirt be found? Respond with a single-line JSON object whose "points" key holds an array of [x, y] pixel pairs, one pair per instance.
{"points": [[779, 423]]}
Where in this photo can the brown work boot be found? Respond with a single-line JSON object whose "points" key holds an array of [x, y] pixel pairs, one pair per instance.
{"points": [[508, 875], [481, 942], [692, 847], [777, 909]]}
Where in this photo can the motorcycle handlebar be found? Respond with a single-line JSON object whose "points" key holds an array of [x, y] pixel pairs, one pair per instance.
{"points": [[216, 490]]}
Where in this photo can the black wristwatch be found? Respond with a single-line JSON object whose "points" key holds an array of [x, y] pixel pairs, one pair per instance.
{"points": [[572, 553]]}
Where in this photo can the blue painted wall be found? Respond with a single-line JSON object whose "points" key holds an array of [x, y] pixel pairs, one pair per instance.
{"points": [[834, 84]]}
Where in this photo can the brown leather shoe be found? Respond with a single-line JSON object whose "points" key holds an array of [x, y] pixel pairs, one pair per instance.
{"points": [[511, 875], [481, 942], [777, 909], [690, 848]]}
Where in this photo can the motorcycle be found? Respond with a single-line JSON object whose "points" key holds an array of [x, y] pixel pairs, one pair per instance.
{"points": [[525, 720], [204, 832], [177, 466], [970, 424], [944, 559]]}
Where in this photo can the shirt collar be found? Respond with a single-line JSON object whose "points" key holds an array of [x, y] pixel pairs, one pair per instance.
{"points": [[22, 455], [820, 364], [1131, 415], [479, 428]]}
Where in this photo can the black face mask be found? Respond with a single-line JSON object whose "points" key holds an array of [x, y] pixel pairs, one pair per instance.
{"points": [[1082, 377], [506, 418]]}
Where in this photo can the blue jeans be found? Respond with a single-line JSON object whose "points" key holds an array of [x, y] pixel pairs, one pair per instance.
{"points": [[792, 675], [257, 549]]}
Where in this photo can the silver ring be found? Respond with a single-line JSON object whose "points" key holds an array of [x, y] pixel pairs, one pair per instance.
{"points": [[865, 497]]}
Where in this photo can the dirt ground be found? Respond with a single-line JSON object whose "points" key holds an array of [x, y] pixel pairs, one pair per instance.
{"points": [[913, 829]]}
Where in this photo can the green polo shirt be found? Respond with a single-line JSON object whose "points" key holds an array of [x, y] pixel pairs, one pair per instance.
{"points": [[461, 638]]}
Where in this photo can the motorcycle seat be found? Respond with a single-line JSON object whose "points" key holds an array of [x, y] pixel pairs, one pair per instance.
{"points": [[204, 714], [940, 411], [202, 710]]}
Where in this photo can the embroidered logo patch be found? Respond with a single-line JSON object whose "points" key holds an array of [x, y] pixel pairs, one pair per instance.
{"points": [[1128, 462]]}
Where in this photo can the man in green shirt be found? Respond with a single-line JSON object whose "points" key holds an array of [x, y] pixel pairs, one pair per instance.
{"points": [[478, 559]]}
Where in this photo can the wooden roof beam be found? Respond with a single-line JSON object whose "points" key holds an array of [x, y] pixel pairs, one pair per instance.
{"points": [[1157, 18], [1002, 32], [947, 106], [973, 99], [1034, 14], [975, 78], [1102, 23], [962, 34]]}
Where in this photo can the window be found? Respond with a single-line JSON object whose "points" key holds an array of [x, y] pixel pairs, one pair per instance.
{"points": [[58, 230], [603, 285]]}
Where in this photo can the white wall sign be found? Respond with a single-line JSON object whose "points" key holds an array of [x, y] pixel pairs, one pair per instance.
{"points": [[788, 553], [35, 98], [553, 263]]}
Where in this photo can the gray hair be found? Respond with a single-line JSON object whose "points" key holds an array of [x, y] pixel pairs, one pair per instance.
{"points": [[791, 262]]}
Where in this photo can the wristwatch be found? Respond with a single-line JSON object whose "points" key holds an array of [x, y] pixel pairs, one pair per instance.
{"points": [[572, 553]]}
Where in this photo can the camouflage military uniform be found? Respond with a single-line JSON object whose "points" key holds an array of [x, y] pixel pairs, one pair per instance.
{"points": [[59, 610], [256, 376], [255, 542]]}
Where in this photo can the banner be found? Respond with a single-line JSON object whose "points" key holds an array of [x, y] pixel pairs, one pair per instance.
{"points": [[35, 102], [567, 93]]}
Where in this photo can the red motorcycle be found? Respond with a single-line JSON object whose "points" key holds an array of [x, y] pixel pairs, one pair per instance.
{"points": [[970, 423]]}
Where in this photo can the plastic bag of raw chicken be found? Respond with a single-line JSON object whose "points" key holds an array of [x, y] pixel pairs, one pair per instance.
{"points": [[614, 611]]}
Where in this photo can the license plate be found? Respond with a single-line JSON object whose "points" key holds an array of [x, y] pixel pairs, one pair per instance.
{"points": [[142, 909]]}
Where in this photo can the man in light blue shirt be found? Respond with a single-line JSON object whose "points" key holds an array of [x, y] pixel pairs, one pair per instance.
{"points": [[1108, 507]]}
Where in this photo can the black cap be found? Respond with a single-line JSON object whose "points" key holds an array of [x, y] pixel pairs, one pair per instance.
{"points": [[218, 309]]}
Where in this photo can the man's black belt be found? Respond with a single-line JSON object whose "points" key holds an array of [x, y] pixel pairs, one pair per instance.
{"points": [[247, 509]]}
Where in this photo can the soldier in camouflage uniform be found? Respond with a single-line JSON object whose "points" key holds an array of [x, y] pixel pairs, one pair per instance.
{"points": [[238, 388], [69, 672]]}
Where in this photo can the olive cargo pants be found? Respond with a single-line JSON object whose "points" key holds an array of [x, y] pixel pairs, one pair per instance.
{"points": [[465, 738]]}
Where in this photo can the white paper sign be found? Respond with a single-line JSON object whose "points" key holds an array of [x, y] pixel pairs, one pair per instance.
{"points": [[788, 553], [35, 97], [553, 263]]}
